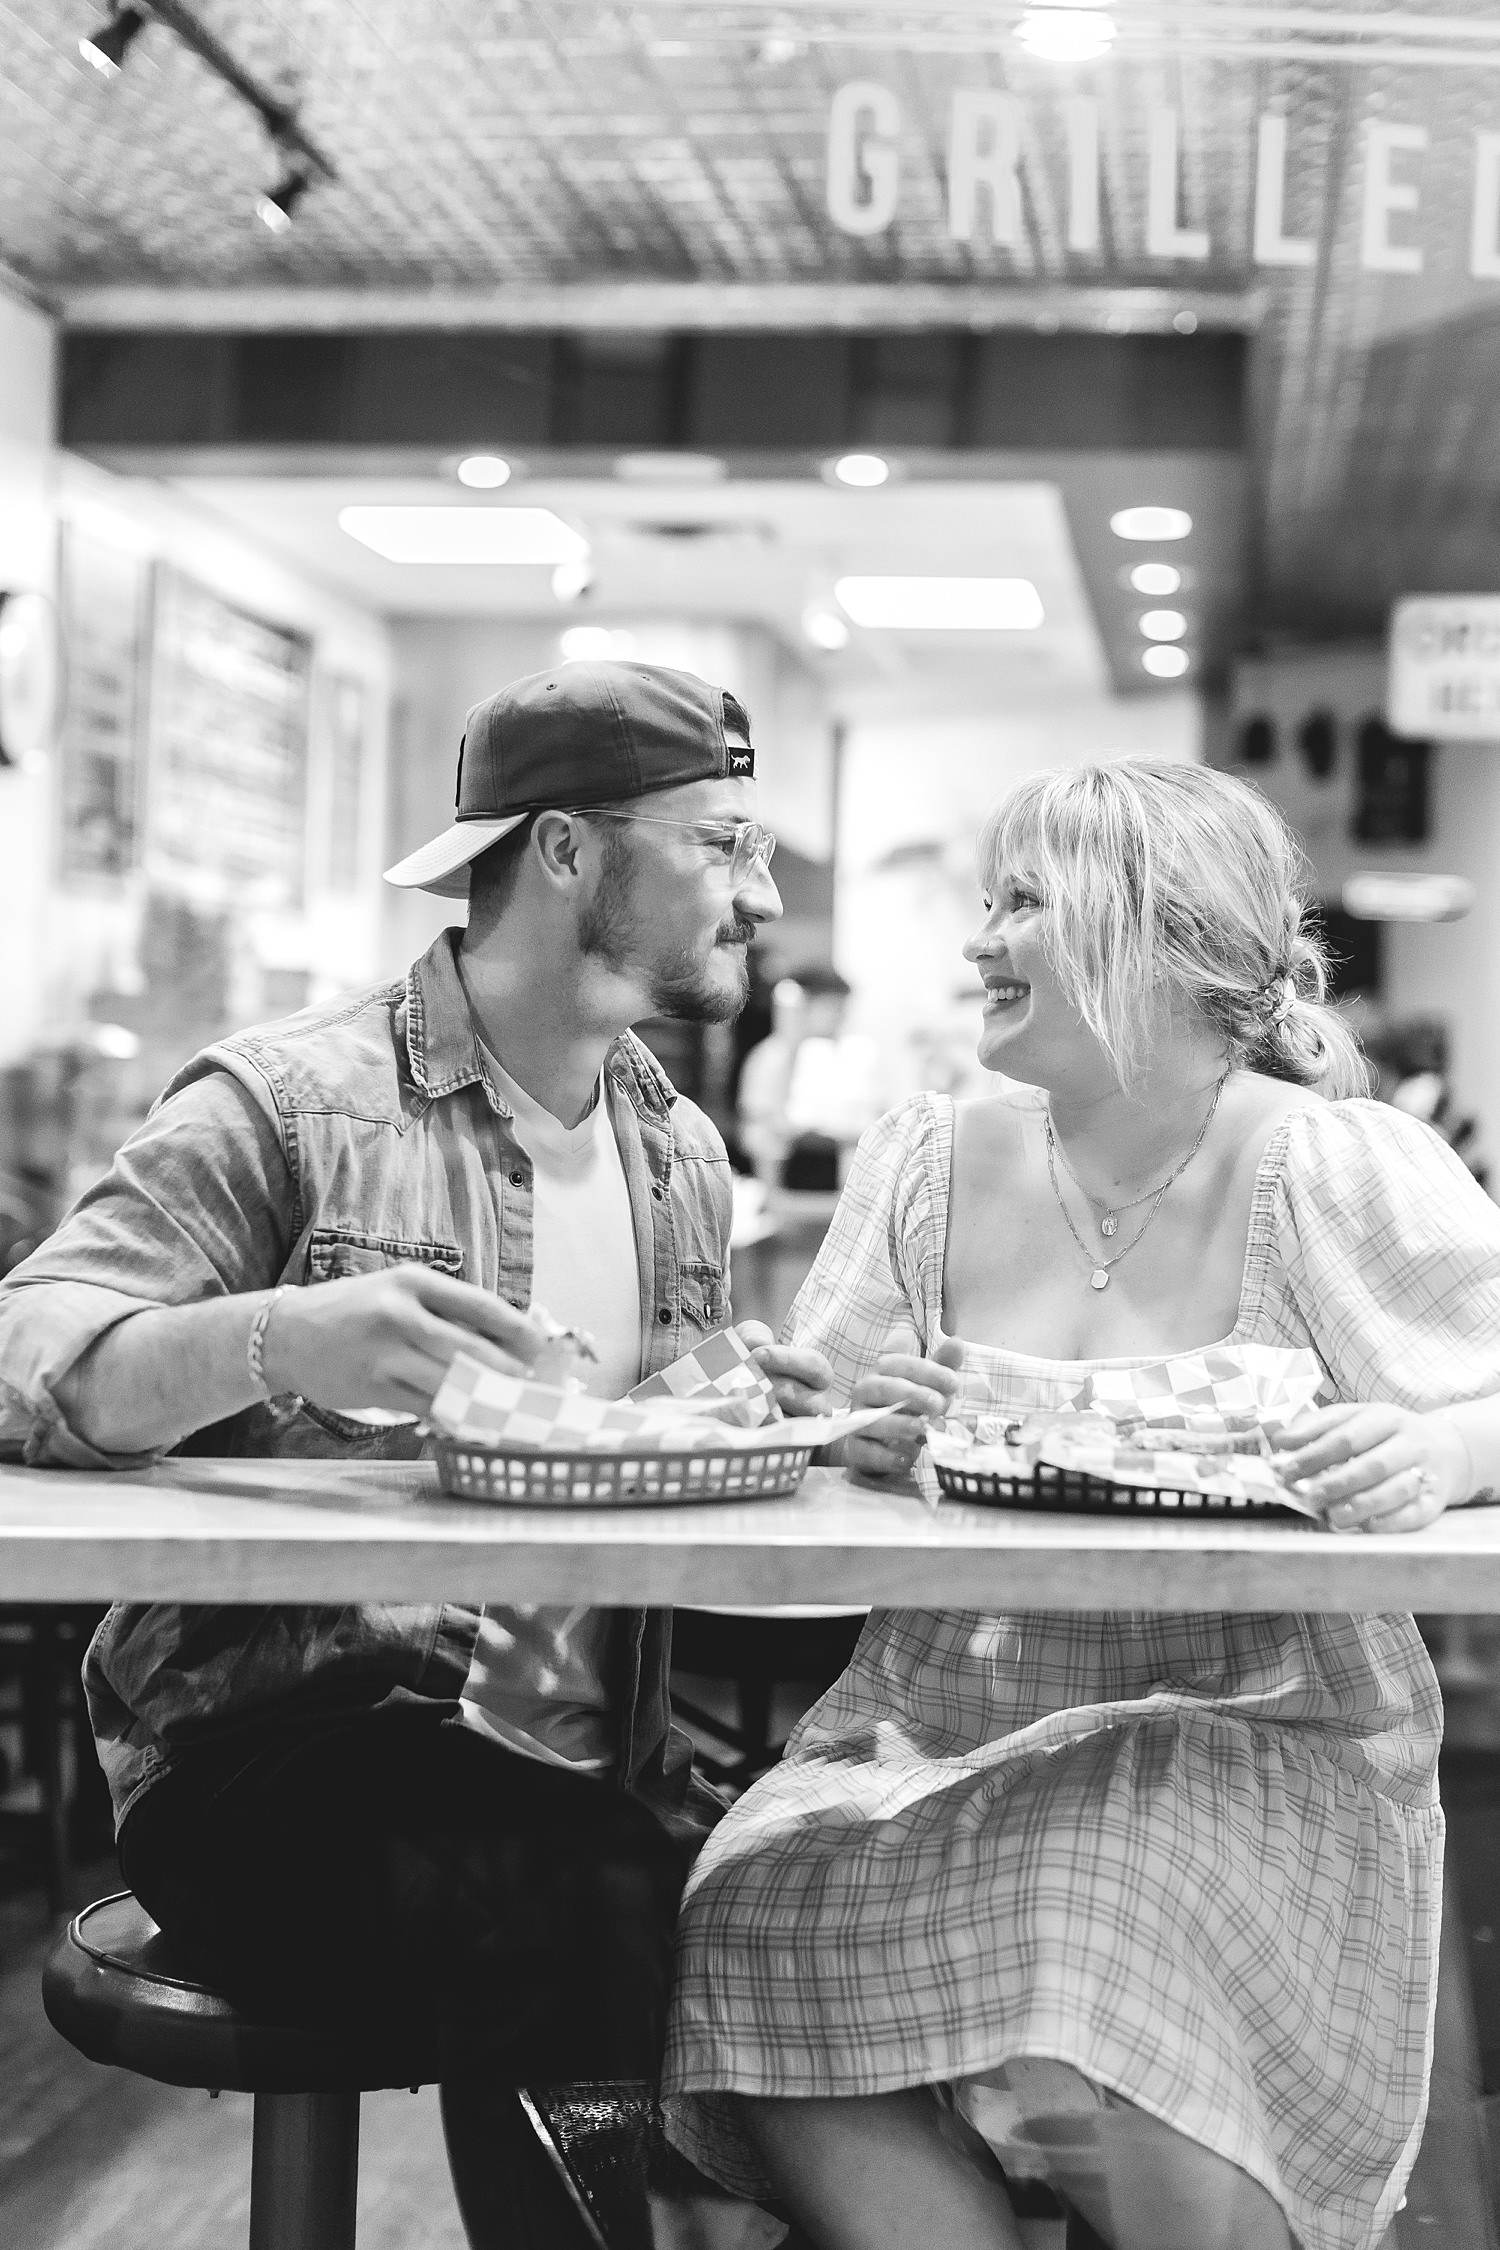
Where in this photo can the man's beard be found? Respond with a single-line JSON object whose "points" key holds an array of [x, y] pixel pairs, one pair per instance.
{"points": [[680, 984]]}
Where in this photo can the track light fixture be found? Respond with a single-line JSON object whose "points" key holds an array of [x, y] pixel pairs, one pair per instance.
{"points": [[107, 47], [277, 207]]}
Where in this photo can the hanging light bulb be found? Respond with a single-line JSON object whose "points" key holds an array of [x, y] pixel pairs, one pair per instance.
{"points": [[107, 47]]}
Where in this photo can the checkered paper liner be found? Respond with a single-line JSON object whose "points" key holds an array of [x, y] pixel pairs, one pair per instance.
{"points": [[719, 1367], [508, 1413], [1246, 1389]]}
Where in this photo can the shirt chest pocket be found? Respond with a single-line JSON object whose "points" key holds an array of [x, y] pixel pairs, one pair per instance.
{"points": [[343, 1253], [703, 1297]]}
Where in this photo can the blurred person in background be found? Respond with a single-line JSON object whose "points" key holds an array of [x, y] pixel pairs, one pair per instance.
{"points": [[810, 1088], [284, 1259], [1410, 1056]]}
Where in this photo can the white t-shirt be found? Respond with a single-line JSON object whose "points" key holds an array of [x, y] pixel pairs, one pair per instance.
{"points": [[538, 1677]]}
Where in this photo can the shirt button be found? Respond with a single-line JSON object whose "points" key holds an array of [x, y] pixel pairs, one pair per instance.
{"points": [[518, 1179], [665, 1316], [658, 1192]]}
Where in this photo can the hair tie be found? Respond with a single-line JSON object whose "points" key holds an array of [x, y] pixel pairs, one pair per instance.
{"points": [[1287, 1001]]}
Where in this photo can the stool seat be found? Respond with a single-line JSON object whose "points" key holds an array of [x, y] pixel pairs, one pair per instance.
{"points": [[114, 1988]]}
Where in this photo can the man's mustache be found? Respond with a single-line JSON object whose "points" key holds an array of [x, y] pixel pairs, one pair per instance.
{"points": [[735, 932]]}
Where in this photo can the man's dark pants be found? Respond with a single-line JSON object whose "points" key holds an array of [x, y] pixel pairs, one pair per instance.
{"points": [[396, 1866]]}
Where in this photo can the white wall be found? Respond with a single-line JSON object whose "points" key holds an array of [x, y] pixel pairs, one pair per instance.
{"points": [[335, 936], [443, 666], [59, 943], [913, 795], [28, 547]]}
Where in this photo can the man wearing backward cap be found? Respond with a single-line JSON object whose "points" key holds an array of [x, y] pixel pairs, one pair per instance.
{"points": [[479, 1818]]}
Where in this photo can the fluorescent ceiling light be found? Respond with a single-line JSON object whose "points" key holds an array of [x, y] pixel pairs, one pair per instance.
{"points": [[1375, 895], [863, 469], [1165, 663], [670, 468], [1155, 578], [1164, 625], [1065, 35], [1151, 523], [942, 605], [483, 472], [595, 644], [824, 627], [463, 535]]}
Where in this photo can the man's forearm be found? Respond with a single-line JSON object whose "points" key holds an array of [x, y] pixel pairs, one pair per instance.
{"points": [[151, 1379]]}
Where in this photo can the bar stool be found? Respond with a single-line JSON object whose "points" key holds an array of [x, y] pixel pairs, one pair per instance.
{"points": [[114, 1990]]}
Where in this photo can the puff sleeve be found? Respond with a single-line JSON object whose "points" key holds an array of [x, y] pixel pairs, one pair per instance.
{"points": [[881, 1265], [1391, 1252]]}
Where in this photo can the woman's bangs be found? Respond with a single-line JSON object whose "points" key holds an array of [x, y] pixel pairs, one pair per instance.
{"points": [[1014, 840]]}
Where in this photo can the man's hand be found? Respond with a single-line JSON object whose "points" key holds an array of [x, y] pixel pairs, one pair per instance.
{"points": [[917, 1390], [800, 1380], [388, 1339]]}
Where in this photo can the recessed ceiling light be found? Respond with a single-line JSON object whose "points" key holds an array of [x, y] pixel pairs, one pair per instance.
{"points": [[942, 605], [670, 468], [107, 47], [1164, 625], [863, 469], [1151, 523], [484, 472], [463, 535], [595, 644], [1165, 663], [1156, 578], [1065, 34], [824, 627]]}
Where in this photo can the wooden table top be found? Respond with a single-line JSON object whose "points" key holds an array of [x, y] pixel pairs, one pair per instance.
{"points": [[320, 1531]]}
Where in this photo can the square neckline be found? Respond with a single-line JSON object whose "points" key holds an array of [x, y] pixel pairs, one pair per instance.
{"points": [[1252, 1276]]}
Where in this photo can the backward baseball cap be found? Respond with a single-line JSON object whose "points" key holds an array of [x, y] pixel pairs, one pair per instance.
{"points": [[584, 734]]}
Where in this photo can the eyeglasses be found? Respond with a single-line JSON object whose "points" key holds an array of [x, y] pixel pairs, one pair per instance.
{"points": [[744, 843]]}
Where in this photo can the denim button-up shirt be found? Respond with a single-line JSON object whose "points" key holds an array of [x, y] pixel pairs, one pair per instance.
{"points": [[337, 1142]]}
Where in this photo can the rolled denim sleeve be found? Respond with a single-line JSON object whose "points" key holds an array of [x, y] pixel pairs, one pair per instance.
{"points": [[200, 1202]]}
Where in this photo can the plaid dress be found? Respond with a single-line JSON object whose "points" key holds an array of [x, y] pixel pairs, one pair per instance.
{"points": [[1198, 1857]]}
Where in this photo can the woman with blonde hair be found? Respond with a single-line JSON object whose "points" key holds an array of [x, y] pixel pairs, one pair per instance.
{"points": [[1144, 1905]]}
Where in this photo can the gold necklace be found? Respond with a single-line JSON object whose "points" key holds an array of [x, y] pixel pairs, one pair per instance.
{"points": [[1099, 1277]]}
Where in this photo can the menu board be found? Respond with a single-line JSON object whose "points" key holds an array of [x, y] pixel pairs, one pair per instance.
{"points": [[227, 750], [104, 597]]}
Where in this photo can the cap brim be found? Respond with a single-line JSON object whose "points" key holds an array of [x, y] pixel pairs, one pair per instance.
{"points": [[442, 866]]}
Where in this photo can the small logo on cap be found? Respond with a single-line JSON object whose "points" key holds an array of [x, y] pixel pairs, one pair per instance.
{"points": [[739, 749]]}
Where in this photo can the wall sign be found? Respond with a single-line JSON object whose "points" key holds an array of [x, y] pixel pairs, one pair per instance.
{"points": [[227, 763], [1445, 667], [105, 596], [986, 167]]}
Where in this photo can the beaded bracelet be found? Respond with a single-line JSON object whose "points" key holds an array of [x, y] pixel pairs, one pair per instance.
{"points": [[256, 1348]]}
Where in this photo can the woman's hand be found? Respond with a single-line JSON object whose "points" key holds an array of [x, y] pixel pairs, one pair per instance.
{"points": [[800, 1380], [917, 1390], [1376, 1468]]}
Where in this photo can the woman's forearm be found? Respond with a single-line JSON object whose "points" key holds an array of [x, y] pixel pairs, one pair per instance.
{"points": [[1477, 1421]]}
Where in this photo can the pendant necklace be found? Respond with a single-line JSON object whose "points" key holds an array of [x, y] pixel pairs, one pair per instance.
{"points": [[1109, 1223]]}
